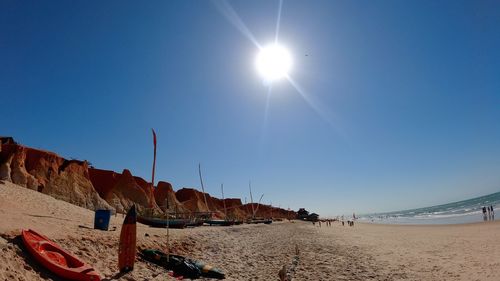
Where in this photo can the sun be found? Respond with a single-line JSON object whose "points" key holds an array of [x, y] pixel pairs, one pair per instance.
{"points": [[274, 62]]}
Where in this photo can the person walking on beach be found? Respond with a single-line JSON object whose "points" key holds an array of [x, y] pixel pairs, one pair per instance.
{"points": [[485, 218], [492, 212]]}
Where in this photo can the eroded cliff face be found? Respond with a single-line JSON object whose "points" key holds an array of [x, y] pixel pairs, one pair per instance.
{"points": [[123, 190], [192, 200], [75, 182], [166, 200], [51, 174]]}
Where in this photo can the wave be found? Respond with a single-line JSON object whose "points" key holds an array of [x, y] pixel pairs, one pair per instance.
{"points": [[466, 210]]}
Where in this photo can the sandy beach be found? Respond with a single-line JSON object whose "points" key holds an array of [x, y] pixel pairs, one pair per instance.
{"points": [[254, 252]]}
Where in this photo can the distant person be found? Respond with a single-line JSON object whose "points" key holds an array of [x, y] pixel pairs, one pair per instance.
{"points": [[492, 212], [319, 223], [342, 222], [485, 218]]}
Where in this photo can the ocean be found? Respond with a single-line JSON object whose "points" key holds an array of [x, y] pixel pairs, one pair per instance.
{"points": [[466, 211]]}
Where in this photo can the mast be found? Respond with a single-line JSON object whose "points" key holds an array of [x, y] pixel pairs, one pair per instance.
{"points": [[271, 208], [223, 201], [258, 204], [203, 188], [251, 199]]}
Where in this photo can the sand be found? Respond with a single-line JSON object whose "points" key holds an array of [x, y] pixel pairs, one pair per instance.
{"points": [[254, 252]]}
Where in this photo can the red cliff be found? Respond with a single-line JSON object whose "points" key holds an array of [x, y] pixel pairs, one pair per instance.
{"points": [[49, 173], [73, 181], [122, 190], [166, 199]]}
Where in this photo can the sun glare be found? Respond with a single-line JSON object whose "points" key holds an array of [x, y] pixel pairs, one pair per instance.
{"points": [[273, 62]]}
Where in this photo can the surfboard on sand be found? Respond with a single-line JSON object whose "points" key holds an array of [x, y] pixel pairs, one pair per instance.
{"points": [[127, 246]]}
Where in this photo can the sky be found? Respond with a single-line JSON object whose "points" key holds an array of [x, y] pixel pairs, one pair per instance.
{"points": [[390, 105]]}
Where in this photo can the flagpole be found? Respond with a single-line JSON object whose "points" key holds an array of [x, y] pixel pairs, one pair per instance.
{"points": [[152, 192], [153, 173]]}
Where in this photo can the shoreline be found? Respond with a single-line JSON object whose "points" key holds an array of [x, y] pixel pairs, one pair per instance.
{"points": [[430, 224]]}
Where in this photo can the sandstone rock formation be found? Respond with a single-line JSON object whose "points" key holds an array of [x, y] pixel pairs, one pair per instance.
{"points": [[193, 200], [51, 174], [166, 200], [73, 181], [123, 190]]}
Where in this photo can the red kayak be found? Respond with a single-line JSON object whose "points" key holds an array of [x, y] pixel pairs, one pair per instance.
{"points": [[57, 260]]}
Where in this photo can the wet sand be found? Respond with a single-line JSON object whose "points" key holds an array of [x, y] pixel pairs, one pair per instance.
{"points": [[254, 252]]}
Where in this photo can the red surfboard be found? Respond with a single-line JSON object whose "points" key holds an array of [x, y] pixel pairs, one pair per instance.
{"points": [[127, 246], [56, 259]]}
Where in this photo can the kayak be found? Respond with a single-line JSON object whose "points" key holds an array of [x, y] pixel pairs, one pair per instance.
{"points": [[156, 222], [56, 259], [182, 266]]}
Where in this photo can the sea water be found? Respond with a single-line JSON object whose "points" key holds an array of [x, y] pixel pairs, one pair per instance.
{"points": [[466, 211]]}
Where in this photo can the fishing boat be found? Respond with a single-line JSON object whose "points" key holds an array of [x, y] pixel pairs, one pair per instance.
{"points": [[195, 223], [257, 221], [56, 259], [163, 223], [220, 222]]}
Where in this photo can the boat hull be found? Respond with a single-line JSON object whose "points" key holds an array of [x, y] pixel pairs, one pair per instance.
{"points": [[155, 222], [219, 222]]}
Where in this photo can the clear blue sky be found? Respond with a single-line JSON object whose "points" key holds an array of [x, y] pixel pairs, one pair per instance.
{"points": [[406, 96]]}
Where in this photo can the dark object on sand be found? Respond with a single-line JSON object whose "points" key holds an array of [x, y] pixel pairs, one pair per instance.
{"points": [[177, 264], [208, 271], [128, 239], [219, 222], [161, 223], [56, 259], [182, 266], [256, 221]]}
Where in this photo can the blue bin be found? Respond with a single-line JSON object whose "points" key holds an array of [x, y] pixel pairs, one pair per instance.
{"points": [[101, 219]]}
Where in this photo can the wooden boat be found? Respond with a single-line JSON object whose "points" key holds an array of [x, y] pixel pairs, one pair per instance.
{"points": [[219, 222], [157, 222], [264, 221], [56, 259], [195, 223]]}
